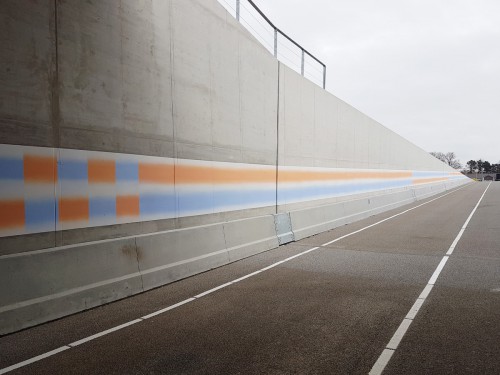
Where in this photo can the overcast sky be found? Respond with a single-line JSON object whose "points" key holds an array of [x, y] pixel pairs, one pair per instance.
{"points": [[427, 69]]}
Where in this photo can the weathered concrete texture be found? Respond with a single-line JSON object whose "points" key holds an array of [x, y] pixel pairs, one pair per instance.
{"points": [[115, 76], [149, 78], [28, 93], [46, 285], [153, 78], [218, 69]]}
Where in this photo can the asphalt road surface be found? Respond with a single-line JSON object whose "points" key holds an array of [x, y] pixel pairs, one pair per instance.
{"points": [[332, 310]]}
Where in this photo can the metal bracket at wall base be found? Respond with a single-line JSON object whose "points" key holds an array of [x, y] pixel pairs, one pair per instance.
{"points": [[283, 225]]}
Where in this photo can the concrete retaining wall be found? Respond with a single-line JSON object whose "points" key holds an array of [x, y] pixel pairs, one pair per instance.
{"points": [[183, 82]]}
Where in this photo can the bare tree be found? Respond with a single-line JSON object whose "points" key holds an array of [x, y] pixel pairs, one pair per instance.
{"points": [[449, 158]]}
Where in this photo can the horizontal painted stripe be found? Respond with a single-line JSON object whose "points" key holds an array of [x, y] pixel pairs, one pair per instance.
{"points": [[286, 176], [40, 169], [73, 209], [72, 170], [155, 204], [156, 173], [428, 180], [206, 202], [427, 174], [188, 174], [40, 212], [300, 194], [124, 187], [127, 171], [11, 169], [213, 175], [12, 214], [102, 207], [127, 205], [101, 171]]}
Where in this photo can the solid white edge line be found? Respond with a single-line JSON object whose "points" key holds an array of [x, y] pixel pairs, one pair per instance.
{"points": [[34, 359], [398, 335], [213, 290], [97, 335], [382, 361], [389, 350], [168, 308], [438, 270], [246, 276], [103, 333]]}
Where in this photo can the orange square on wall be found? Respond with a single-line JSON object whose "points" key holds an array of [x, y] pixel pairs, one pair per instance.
{"points": [[127, 205], [73, 209], [12, 214], [101, 171], [39, 169]]}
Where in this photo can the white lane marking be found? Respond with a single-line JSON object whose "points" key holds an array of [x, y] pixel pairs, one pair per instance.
{"points": [[89, 338], [382, 361], [34, 359], [384, 358], [415, 308], [452, 248], [454, 244], [426, 291], [438, 270], [398, 335], [213, 290], [167, 308], [246, 276], [103, 333]]}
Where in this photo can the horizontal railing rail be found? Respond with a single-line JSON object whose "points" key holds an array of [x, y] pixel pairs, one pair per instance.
{"points": [[283, 47]]}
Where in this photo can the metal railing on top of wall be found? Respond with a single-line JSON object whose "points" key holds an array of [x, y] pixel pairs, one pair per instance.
{"points": [[276, 41]]}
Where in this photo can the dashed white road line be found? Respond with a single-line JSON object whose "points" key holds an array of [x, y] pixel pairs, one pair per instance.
{"points": [[393, 344], [386, 356]]}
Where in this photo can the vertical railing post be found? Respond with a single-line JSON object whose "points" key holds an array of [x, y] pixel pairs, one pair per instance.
{"points": [[275, 42], [282, 35], [302, 64], [324, 77]]}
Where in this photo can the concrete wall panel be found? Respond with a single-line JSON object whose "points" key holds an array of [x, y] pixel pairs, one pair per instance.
{"points": [[258, 73], [114, 76], [27, 72], [40, 286], [249, 236]]}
